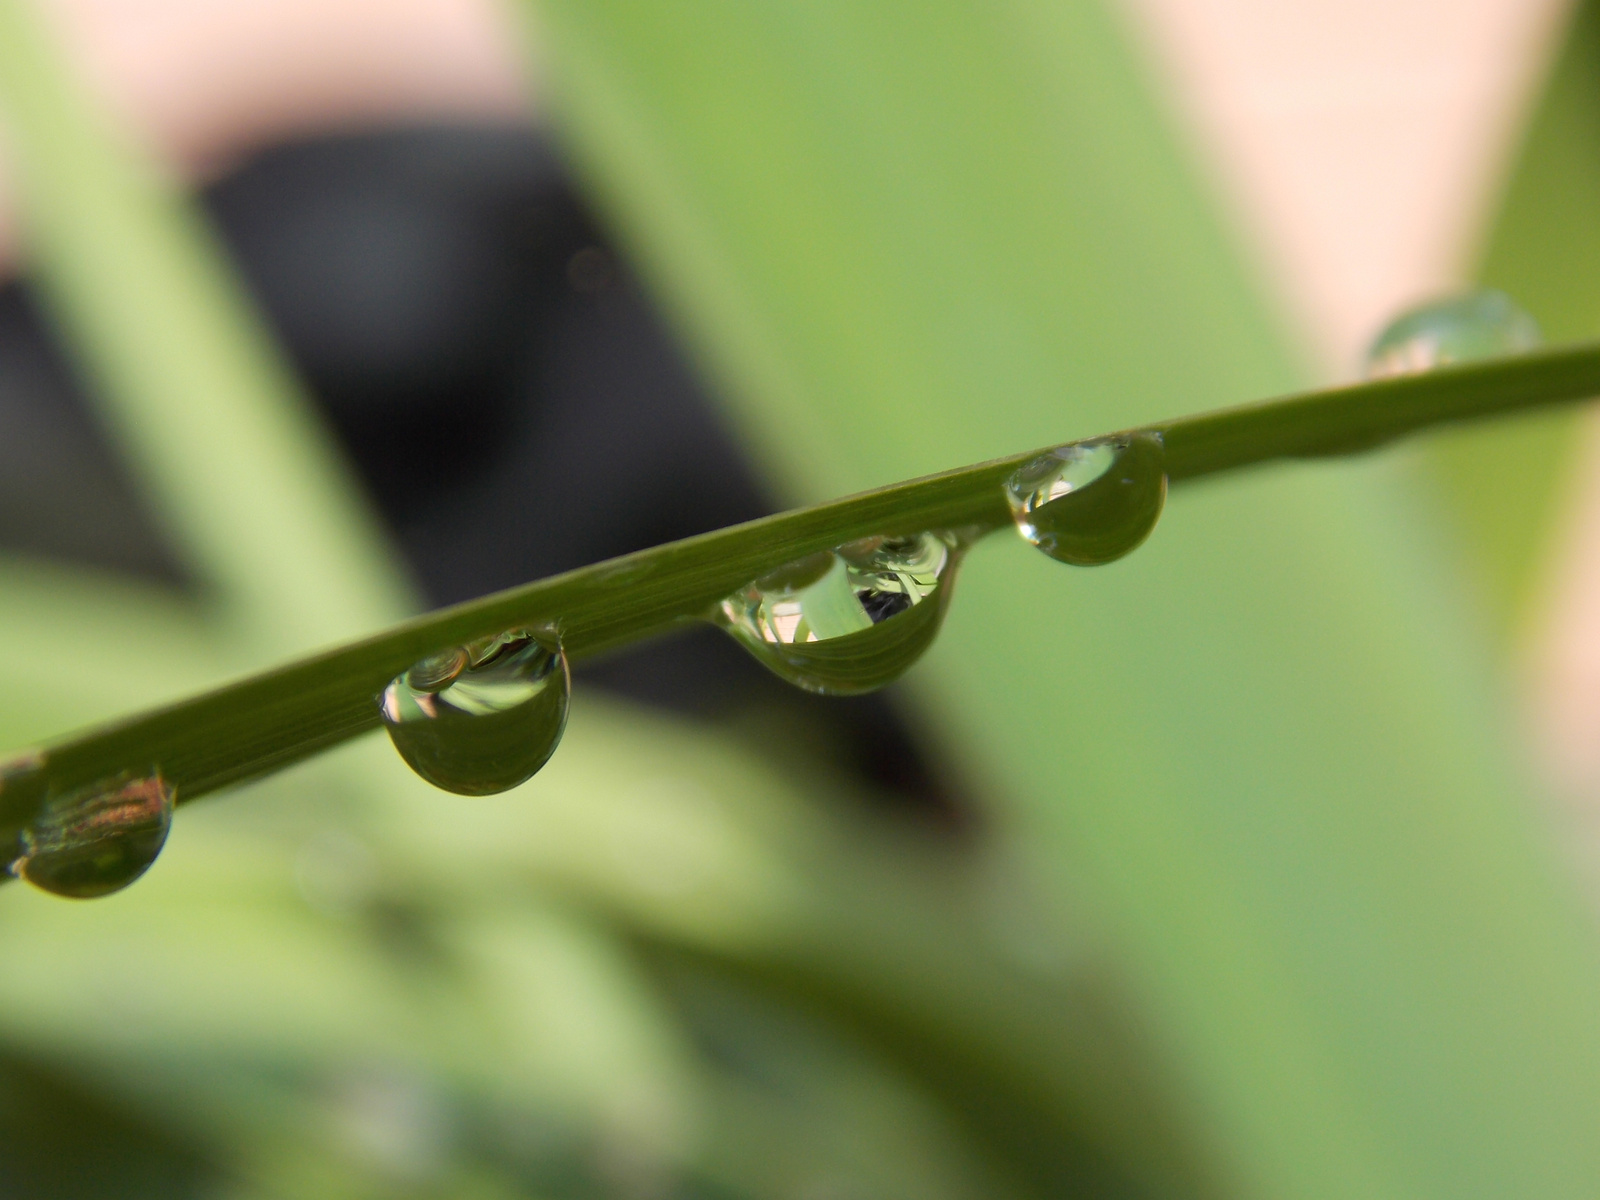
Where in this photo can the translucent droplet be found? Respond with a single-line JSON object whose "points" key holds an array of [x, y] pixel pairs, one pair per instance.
{"points": [[1090, 502], [480, 718], [1483, 324], [847, 620], [96, 840]]}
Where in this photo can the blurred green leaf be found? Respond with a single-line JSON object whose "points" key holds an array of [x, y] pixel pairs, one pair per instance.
{"points": [[184, 375], [1505, 486], [71, 1144], [1266, 749], [83, 645], [446, 948]]}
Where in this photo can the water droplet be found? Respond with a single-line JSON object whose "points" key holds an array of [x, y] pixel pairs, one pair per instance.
{"points": [[1090, 502], [96, 840], [480, 718], [847, 620], [1482, 324]]}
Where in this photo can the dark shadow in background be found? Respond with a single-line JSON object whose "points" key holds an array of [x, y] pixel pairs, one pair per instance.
{"points": [[508, 394]]}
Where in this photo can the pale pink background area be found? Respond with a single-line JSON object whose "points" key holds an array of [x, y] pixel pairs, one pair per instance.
{"points": [[1359, 146], [1358, 143], [203, 81]]}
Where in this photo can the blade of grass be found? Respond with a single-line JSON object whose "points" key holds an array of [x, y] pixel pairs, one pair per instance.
{"points": [[266, 722], [1504, 488], [1265, 749], [222, 441], [83, 645]]}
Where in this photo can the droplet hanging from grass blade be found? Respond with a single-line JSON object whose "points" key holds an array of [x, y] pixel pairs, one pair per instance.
{"points": [[481, 718], [847, 620], [1090, 503], [1456, 329], [96, 840]]}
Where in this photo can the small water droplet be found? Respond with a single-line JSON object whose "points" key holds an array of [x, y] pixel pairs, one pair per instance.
{"points": [[480, 718], [847, 620], [1090, 502], [96, 840], [1457, 329]]}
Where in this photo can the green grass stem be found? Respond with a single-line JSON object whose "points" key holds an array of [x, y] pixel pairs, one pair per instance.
{"points": [[260, 724]]}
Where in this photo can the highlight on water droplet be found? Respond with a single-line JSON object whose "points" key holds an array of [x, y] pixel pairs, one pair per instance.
{"points": [[96, 840], [480, 718], [1090, 503], [847, 620], [1456, 329]]}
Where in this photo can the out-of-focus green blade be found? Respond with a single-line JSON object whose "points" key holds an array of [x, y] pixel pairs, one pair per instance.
{"points": [[903, 233], [83, 645], [1505, 485], [482, 950], [221, 440]]}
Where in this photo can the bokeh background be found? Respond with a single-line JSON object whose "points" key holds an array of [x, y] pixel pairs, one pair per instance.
{"points": [[1261, 864]]}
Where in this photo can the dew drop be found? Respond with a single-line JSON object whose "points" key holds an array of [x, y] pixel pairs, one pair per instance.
{"points": [[96, 840], [1481, 324], [1090, 502], [480, 718], [847, 620]]}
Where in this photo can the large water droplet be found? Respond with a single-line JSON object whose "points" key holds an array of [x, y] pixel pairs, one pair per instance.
{"points": [[847, 620], [1090, 502], [480, 718], [96, 840], [1483, 324]]}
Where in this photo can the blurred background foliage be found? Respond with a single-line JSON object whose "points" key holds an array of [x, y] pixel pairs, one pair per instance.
{"points": [[1212, 873]]}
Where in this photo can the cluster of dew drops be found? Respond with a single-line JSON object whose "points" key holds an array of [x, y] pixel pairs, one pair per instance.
{"points": [[484, 717]]}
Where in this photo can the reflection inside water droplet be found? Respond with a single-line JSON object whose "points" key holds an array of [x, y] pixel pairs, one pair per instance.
{"points": [[1090, 502], [96, 840], [480, 718], [1482, 324], [846, 620]]}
